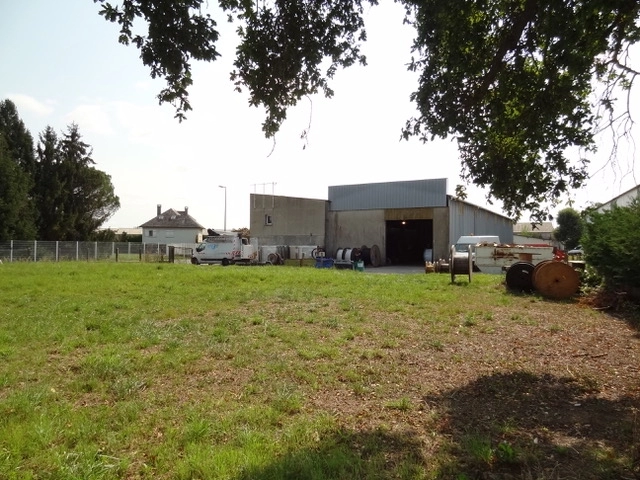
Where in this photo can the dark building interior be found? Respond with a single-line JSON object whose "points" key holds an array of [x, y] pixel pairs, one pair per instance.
{"points": [[407, 240]]}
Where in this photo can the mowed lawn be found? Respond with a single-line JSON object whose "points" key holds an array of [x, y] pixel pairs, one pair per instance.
{"points": [[163, 371]]}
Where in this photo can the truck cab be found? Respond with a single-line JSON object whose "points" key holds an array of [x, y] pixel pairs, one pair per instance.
{"points": [[465, 246]]}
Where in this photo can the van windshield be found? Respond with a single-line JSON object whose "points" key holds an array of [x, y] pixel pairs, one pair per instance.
{"points": [[462, 247]]}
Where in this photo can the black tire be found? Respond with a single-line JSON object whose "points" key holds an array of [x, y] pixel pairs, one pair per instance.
{"points": [[194, 261], [225, 262]]}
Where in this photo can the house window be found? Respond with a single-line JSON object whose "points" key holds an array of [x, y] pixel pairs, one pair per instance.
{"points": [[151, 233], [267, 220]]}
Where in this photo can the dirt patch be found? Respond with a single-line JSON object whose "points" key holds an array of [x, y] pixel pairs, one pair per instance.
{"points": [[552, 392]]}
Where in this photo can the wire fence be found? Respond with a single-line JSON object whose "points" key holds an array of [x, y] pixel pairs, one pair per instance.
{"points": [[46, 251]]}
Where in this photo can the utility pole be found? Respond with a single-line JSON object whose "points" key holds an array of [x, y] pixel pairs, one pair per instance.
{"points": [[225, 206]]}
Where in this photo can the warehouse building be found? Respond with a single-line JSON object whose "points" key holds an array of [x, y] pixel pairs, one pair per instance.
{"points": [[409, 222]]}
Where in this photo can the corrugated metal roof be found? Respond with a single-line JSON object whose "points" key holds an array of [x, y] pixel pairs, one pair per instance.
{"points": [[374, 196]]}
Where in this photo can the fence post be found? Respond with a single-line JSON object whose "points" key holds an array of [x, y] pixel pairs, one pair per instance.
{"points": [[11, 252], [117, 252], [140, 252], [57, 250], [35, 250], [95, 250], [77, 251]]}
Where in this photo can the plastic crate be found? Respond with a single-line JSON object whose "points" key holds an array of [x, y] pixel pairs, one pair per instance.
{"points": [[322, 262]]}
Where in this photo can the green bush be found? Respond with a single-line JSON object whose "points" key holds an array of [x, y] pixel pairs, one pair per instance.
{"points": [[611, 243]]}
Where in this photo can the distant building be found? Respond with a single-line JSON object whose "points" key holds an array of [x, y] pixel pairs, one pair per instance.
{"points": [[408, 221], [128, 231], [622, 200], [172, 226], [528, 233]]}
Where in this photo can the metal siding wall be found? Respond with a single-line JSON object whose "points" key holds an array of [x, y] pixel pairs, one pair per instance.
{"points": [[467, 219], [374, 196]]}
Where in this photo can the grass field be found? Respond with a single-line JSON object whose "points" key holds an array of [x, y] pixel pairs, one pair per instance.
{"points": [[166, 371]]}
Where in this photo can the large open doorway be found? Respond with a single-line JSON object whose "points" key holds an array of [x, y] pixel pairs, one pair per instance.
{"points": [[407, 241]]}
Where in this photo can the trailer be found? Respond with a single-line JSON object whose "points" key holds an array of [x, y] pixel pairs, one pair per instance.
{"points": [[224, 249], [498, 258]]}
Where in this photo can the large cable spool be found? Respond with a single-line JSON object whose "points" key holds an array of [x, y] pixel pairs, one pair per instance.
{"points": [[274, 258], [536, 270], [339, 254], [519, 276], [282, 251], [556, 280], [365, 254], [374, 256], [460, 265]]}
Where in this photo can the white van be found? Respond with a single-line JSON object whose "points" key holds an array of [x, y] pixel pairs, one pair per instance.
{"points": [[224, 249], [465, 241], [468, 242]]}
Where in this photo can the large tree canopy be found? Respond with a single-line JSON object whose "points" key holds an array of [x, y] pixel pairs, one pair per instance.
{"points": [[74, 198], [511, 80], [17, 164], [54, 193]]}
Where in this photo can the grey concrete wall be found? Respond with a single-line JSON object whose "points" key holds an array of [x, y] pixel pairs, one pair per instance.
{"points": [[353, 229], [293, 221], [301, 221]]}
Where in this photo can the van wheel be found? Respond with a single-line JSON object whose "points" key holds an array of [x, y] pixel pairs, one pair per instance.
{"points": [[225, 262], [194, 261]]}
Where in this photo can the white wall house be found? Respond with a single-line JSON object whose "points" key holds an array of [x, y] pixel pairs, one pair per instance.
{"points": [[172, 227]]}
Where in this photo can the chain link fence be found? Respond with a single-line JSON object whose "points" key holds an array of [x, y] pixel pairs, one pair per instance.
{"points": [[41, 251]]}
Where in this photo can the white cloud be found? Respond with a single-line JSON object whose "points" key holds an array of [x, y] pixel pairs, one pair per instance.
{"points": [[30, 104], [145, 124], [91, 118], [143, 85]]}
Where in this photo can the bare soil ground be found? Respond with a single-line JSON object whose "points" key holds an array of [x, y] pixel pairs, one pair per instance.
{"points": [[550, 393]]}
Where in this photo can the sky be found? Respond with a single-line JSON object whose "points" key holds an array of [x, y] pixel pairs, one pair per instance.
{"points": [[61, 63]]}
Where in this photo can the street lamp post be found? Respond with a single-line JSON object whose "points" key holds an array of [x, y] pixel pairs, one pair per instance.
{"points": [[225, 206]]}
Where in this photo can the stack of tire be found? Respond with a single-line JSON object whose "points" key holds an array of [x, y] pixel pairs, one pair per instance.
{"points": [[550, 278]]}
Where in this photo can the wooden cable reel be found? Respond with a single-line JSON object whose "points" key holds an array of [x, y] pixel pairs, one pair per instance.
{"points": [[460, 265], [556, 280], [519, 277]]}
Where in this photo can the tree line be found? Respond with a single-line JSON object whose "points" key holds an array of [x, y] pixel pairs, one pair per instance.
{"points": [[50, 191]]}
